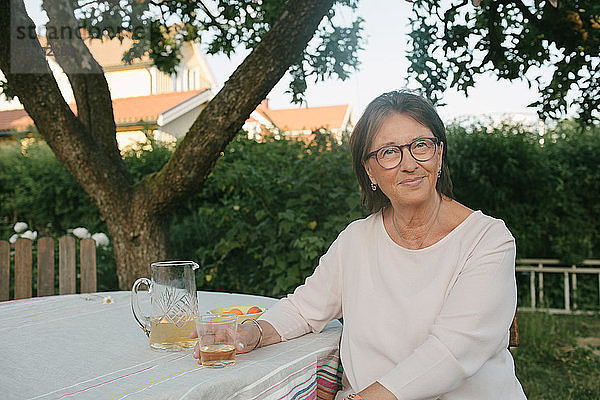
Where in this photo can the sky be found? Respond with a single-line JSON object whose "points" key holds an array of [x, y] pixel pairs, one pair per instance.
{"points": [[383, 68]]}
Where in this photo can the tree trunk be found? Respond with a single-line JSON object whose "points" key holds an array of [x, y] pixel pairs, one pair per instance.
{"points": [[137, 213], [139, 239]]}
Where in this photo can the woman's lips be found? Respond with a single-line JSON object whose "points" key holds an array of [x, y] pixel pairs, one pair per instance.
{"points": [[411, 181]]}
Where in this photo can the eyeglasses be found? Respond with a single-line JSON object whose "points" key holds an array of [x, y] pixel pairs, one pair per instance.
{"points": [[421, 149]]}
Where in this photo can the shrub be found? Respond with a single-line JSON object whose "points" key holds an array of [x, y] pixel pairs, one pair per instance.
{"points": [[37, 189], [269, 210], [267, 213], [546, 193]]}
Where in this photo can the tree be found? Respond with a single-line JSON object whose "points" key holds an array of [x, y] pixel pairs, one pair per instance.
{"points": [[453, 42], [137, 213]]}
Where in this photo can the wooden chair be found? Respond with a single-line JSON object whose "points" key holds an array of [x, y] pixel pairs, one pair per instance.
{"points": [[23, 267], [514, 333]]}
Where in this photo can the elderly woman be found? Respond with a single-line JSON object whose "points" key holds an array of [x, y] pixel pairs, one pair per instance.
{"points": [[425, 285]]}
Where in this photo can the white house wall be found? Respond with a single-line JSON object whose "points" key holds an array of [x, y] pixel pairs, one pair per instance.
{"points": [[129, 83]]}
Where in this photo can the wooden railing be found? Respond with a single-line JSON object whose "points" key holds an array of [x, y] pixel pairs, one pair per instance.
{"points": [[538, 267], [21, 259]]}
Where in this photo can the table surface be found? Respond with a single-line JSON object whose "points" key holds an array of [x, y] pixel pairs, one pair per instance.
{"points": [[80, 347]]}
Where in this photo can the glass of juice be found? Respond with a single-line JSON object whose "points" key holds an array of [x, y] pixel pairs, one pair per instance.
{"points": [[216, 339]]}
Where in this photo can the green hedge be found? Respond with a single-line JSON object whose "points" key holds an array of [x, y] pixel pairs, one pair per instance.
{"points": [[269, 210], [546, 193], [267, 213]]}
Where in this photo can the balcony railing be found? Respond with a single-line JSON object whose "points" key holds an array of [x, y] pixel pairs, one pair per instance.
{"points": [[537, 268]]}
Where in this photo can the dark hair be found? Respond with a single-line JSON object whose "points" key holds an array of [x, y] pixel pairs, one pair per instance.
{"points": [[396, 102]]}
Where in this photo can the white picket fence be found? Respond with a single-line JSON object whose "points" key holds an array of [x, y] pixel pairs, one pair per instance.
{"points": [[538, 267]]}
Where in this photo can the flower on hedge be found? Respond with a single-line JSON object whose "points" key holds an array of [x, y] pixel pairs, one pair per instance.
{"points": [[101, 239], [13, 238], [29, 235], [81, 233], [20, 227]]}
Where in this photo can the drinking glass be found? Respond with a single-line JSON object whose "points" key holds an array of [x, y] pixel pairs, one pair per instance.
{"points": [[216, 339]]}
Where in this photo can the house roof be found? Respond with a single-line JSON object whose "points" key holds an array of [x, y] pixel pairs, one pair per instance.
{"points": [[126, 110], [8, 119], [107, 52], [302, 119], [148, 108]]}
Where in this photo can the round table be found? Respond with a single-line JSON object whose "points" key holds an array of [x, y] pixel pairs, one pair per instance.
{"points": [[84, 346]]}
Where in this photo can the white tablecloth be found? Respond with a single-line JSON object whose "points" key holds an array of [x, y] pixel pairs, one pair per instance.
{"points": [[79, 347]]}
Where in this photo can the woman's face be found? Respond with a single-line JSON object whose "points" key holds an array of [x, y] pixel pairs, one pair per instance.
{"points": [[412, 181]]}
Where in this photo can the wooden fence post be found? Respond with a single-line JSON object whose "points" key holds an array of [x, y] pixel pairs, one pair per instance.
{"points": [[45, 265], [23, 265], [66, 265], [87, 262], [4, 270]]}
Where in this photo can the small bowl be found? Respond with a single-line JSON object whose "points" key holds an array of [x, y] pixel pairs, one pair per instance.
{"points": [[243, 309]]}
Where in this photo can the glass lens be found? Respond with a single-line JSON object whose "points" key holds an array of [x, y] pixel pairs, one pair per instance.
{"points": [[389, 156], [422, 149]]}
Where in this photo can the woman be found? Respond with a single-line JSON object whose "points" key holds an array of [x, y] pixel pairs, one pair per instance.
{"points": [[425, 285]]}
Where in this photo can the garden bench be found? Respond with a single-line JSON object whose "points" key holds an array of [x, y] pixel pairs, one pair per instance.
{"points": [[45, 272]]}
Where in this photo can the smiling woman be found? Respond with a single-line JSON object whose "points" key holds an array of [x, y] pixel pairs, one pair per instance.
{"points": [[425, 285], [393, 124]]}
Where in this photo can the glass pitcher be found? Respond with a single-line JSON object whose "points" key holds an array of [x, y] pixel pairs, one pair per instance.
{"points": [[174, 304]]}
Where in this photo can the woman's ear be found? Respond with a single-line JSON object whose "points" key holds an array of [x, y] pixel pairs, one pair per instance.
{"points": [[367, 167], [440, 154]]}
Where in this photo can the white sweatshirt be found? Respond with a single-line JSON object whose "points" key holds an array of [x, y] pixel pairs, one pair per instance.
{"points": [[426, 324]]}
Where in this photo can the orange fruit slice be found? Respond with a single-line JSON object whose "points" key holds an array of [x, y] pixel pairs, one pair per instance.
{"points": [[235, 311], [254, 310]]}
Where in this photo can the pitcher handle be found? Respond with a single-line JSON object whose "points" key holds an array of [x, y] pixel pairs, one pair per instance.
{"points": [[142, 320]]}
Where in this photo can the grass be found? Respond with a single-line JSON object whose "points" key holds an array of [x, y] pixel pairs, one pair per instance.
{"points": [[559, 356]]}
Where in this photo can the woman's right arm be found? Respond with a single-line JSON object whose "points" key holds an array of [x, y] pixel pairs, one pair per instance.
{"points": [[313, 304]]}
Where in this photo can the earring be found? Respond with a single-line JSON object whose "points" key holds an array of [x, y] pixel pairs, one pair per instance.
{"points": [[373, 186], [439, 173]]}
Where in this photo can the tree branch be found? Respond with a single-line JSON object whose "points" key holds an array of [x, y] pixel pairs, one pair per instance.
{"points": [[526, 12], [213, 18], [223, 117], [447, 14], [29, 75], [94, 104], [208, 13]]}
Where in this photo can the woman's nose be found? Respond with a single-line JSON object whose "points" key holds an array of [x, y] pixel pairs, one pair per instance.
{"points": [[407, 162]]}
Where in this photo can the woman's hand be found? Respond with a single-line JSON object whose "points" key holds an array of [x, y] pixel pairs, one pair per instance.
{"points": [[246, 339], [375, 391]]}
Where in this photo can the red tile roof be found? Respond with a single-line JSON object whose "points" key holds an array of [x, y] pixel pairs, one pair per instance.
{"points": [[126, 110], [148, 108], [307, 118], [9, 118]]}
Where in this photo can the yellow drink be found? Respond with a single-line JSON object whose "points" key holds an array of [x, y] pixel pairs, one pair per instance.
{"points": [[217, 355], [165, 335]]}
